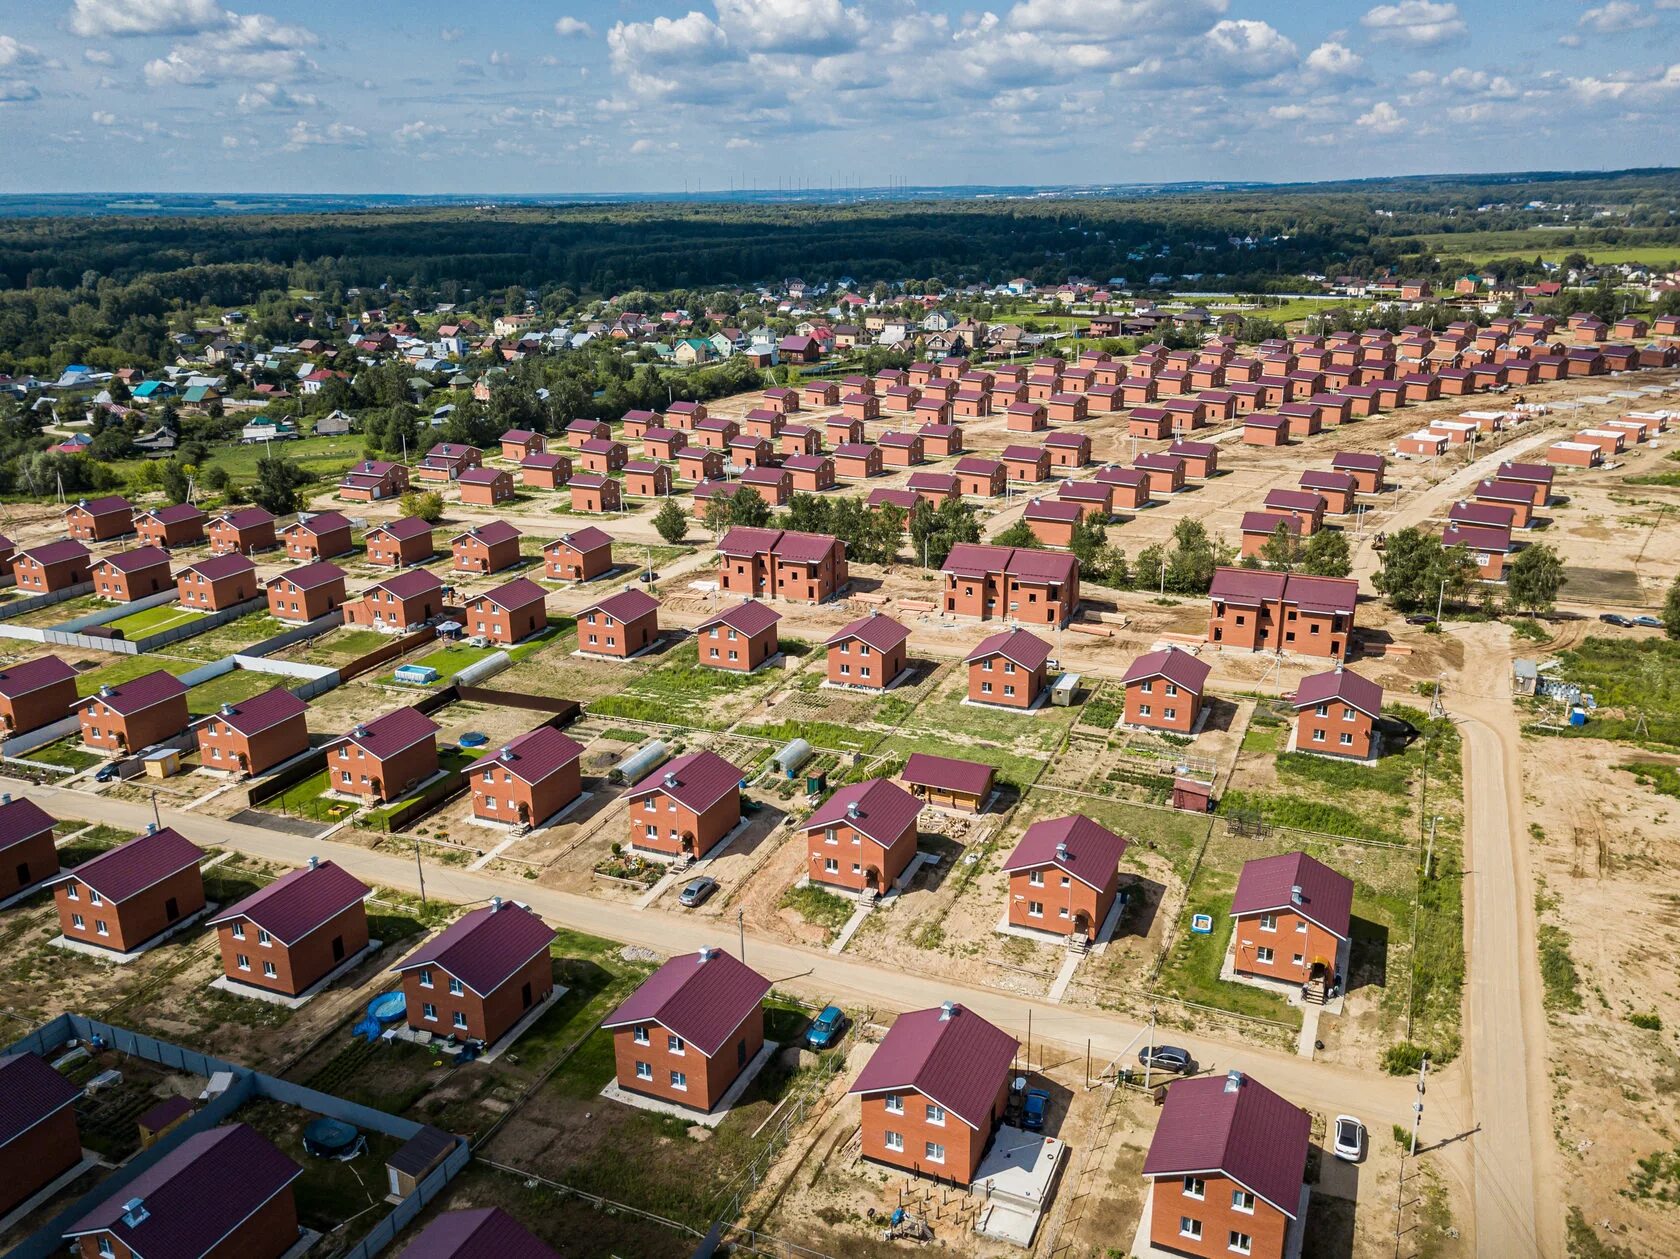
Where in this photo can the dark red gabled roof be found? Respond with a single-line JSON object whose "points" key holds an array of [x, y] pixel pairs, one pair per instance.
{"points": [[1075, 844], [21, 820], [744, 540], [1179, 667], [1340, 684], [173, 514], [1268, 883], [489, 534], [583, 541], [219, 566], [32, 675], [30, 1091], [877, 629], [702, 997], [245, 518], [140, 693], [403, 529], [485, 947], [385, 736], [1027, 650], [321, 522], [1235, 1126], [487, 1233], [696, 781], [749, 617], [416, 581], [954, 1058], [625, 606], [534, 755], [1267, 522], [312, 576], [138, 560], [1294, 500], [55, 552], [195, 1195], [142, 862], [260, 712], [110, 505], [943, 773], [878, 808], [298, 902], [1478, 537], [517, 593]]}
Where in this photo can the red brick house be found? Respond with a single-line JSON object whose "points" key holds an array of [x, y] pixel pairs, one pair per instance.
{"points": [[381, 759], [131, 575], [321, 536], [547, 471], [254, 735], [480, 975], [1068, 450], [809, 474], [1367, 470], [446, 461], [52, 566], [1226, 1169], [373, 481], [1264, 428], [690, 1030], [580, 431], [1488, 546], [940, 441], [663, 443], [740, 638], [1026, 463], [397, 604], [994, 582], [1513, 497], [862, 837], [289, 936], [870, 652], [39, 1139], [27, 857], [684, 808], [487, 548], [1307, 506], [857, 460], [1026, 417], [485, 487], [1336, 490], [1272, 611], [1200, 459], [1293, 921], [35, 693], [1259, 527], [798, 439], [770, 563], [1536, 476], [980, 478], [221, 1194], [243, 532], [1336, 714], [179, 525], [619, 626], [133, 893], [581, 555], [510, 613], [519, 442], [305, 593], [135, 714], [222, 581], [529, 779], [99, 519], [400, 544], [934, 1092], [1166, 472], [1164, 690], [594, 492], [1064, 875], [1008, 670], [643, 478]]}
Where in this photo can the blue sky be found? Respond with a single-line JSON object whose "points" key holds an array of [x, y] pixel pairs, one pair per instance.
{"points": [[650, 95]]}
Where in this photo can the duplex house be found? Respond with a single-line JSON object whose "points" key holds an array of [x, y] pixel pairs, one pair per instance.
{"points": [[373, 481], [221, 1194], [862, 837], [1226, 1170], [480, 975], [689, 1031], [306, 593], [381, 759], [1064, 875], [870, 652], [934, 1092], [1293, 922], [529, 779], [319, 536], [256, 734], [1271, 611], [39, 1139], [179, 525], [399, 603], [684, 808], [994, 582], [290, 935], [740, 638], [52, 566], [1008, 669], [134, 714], [133, 893], [131, 575], [99, 519], [220, 582], [446, 461], [782, 564], [399, 544], [1336, 714], [35, 693], [581, 555], [510, 613], [243, 532], [620, 626], [27, 854], [1164, 690]]}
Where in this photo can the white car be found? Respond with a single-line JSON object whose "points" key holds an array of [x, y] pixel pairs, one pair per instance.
{"points": [[1348, 1143]]}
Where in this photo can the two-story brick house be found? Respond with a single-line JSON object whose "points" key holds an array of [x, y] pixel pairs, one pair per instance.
{"points": [[135, 714], [685, 807], [479, 976], [254, 735], [529, 779], [288, 936], [35, 693], [1293, 922], [217, 583], [397, 604], [619, 626], [871, 652], [580, 555], [317, 536], [510, 613], [862, 837], [129, 895], [400, 543], [1336, 714], [306, 593], [1064, 875], [740, 638], [381, 759]]}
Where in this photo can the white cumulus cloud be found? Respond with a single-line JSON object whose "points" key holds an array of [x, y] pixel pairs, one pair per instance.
{"points": [[1331, 60], [94, 18], [573, 28], [1617, 16], [1382, 118], [16, 54], [1416, 23], [304, 135]]}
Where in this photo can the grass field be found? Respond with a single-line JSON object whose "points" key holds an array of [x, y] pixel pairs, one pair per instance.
{"points": [[154, 620], [127, 668], [67, 752], [451, 660], [231, 688], [325, 458], [1547, 243], [1629, 680]]}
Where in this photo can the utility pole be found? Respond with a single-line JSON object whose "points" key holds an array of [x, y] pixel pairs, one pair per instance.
{"points": [[157, 820], [421, 871], [741, 926], [1429, 853], [1417, 1106], [1440, 600]]}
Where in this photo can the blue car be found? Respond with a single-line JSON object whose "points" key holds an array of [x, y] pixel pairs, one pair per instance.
{"points": [[826, 1028], [1034, 1110]]}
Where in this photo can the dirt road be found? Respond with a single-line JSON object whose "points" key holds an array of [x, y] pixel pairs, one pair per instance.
{"points": [[814, 973], [1517, 1206]]}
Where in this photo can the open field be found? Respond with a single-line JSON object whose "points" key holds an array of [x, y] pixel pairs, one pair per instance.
{"points": [[154, 620], [1549, 244]]}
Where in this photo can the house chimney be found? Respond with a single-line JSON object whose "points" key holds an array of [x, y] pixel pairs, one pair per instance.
{"points": [[105, 691], [134, 1212], [947, 1009], [851, 809], [1233, 1081], [670, 780], [227, 710], [314, 862], [495, 904], [1295, 895], [506, 754], [1061, 850], [151, 828], [361, 730], [704, 955]]}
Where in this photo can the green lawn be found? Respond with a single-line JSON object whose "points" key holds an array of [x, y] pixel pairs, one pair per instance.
{"points": [[308, 799], [1648, 249], [233, 636], [326, 458], [340, 646], [451, 660], [153, 620], [1628, 679], [680, 688], [1191, 972], [231, 688], [67, 752], [127, 668]]}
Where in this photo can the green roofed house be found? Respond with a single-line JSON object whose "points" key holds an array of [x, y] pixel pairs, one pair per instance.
{"points": [[200, 396], [692, 350]]}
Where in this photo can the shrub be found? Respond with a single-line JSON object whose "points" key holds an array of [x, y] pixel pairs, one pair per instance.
{"points": [[1403, 1058], [1650, 1020]]}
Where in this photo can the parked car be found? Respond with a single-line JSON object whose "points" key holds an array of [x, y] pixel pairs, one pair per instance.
{"points": [[697, 891], [106, 773], [1167, 1058], [1349, 1142], [1647, 621], [1421, 618], [1616, 618], [827, 1028], [1034, 1110]]}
